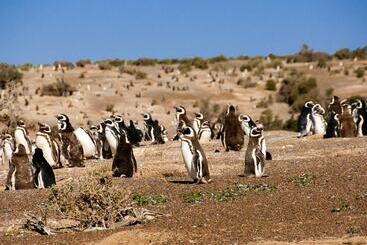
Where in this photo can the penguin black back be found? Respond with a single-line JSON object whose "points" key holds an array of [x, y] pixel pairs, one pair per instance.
{"points": [[124, 163], [44, 174]]}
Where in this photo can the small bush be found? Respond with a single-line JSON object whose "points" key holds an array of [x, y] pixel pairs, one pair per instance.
{"points": [[193, 197], [246, 83], [359, 72], [64, 63], [271, 85], [83, 63], [220, 58], [145, 62], [140, 75], [59, 88], [143, 200], [26, 67], [184, 68], [291, 124], [269, 121], [8, 74], [104, 66]]}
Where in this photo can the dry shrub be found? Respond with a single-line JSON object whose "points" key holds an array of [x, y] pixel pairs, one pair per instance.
{"points": [[92, 200], [59, 88]]}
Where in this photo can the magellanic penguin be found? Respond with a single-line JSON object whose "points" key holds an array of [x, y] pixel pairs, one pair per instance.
{"points": [[48, 145], [124, 162], [359, 112], [106, 149], [20, 175], [205, 132], [347, 126], [44, 175], [112, 135], [71, 149], [232, 136], [153, 129], [304, 124], [193, 155], [318, 122], [255, 158], [98, 141], [7, 149], [333, 126], [335, 105], [196, 123], [135, 135], [246, 123], [164, 133], [21, 137]]}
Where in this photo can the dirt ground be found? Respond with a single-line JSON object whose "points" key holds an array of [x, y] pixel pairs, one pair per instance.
{"points": [[329, 207]]}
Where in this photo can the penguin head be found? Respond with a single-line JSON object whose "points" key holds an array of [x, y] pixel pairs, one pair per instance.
{"points": [[109, 122], [187, 132], [44, 128], [21, 123], [38, 152], [199, 116], [231, 110], [62, 117], [62, 125], [357, 104], [244, 118], [21, 150], [180, 110], [118, 119], [335, 100], [317, 108], [346, 108], [256, 132], [7, 137], [146, 116], [205, 124], [309, 104]]}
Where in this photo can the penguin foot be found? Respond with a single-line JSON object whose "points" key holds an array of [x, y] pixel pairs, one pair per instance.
{"points": [[122, 176]]}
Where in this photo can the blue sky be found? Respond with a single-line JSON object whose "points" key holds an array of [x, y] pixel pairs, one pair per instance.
{"points": [[42, 31]]}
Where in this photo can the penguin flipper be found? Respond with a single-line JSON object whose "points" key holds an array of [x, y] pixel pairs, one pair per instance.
{"points": [[268, 156]]}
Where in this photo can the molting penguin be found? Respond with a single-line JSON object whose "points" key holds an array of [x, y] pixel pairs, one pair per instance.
{"points": [[112, 135], [20, 175], [347, 126], [193, 155], [205, 132], [48, 145], [21, 137], [199, 117], [333, 126], [318, 122], [71, 149], [246, 123], [232, 137], [255, 158], [304, 121], [44, 175], [124, 162], [335, 105]]}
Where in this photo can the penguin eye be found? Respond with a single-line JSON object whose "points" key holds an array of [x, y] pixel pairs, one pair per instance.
{"points": [[187, 131]]}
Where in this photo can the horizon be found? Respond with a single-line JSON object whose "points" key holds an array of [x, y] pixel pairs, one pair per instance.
{"points": [[41, 32]]}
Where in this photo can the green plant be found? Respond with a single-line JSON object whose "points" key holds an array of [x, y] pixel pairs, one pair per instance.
{"points": [[59, 88], [305, 180], [8, 74], [140, 75], [26, 67], [264, 188], [270, 121], [184, 68], [143, 200], [271, 85], [193, 197], [83, 63], [104, 65], [359, 72]]}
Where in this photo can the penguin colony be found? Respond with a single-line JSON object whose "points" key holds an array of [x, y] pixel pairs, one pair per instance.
{"points": [[31, 163]]}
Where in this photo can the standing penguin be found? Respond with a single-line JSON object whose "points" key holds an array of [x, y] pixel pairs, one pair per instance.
{"points": [[359, 112], [205, 132], [124, 163], [48, 145], [304, 121], [7, 149], [153, 130], [232, 136], [193, 155], [112, 135], [333, 126], [318, 122], [199, 117], [44, 175], [347, 126], [164, 133], [134, 134], [70, 146], [246, 123], [21, 137], [106, 149], [335, 105], [255, 158], [20, 175]]}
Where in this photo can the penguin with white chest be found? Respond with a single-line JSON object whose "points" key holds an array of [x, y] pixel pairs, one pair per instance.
{"points": [[21, 137], [193, 155], [359, 112], [124, 162], [304, 123], [44, 175], [112, 135], [153, 130], [7, 148], [246, 123], [255, 157], [196, 124], [318, 122], [48, 145], [206, 133]]}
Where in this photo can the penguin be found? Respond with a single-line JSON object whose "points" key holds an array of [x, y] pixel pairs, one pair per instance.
{"points": [[206, 133], [304, 123], [135, 135], [119, 123], [71, 149], [232, 136], [317, 119], [333, 125], [112, 135], [7, 148], [124, 162], [335, 105], [255, 158], [199, 117], [94, 134], [193, 155], [21, 137], [82, 136], [347, 126], [181, 115], [20, 175], [218, 130], [48, 145], [359, 112], [164, 133], [44, 175], [153, 129], [246, 123], [106, 149]]}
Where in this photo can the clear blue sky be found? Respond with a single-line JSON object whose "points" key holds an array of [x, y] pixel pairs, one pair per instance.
{"points": [[44, 31]]}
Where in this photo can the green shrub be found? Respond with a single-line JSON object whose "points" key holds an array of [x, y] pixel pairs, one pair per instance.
{"points": [[219, 58], [8, 74], [359, 72], [145, 62], [271, 85], [291, 124], [104, 65], [83, 63], [140, 75], [199, 63], [26, 67], [143, 200], [343, 54], [246, 83], [184, 68], [59, 88], [64, 63], [269, 121]]}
